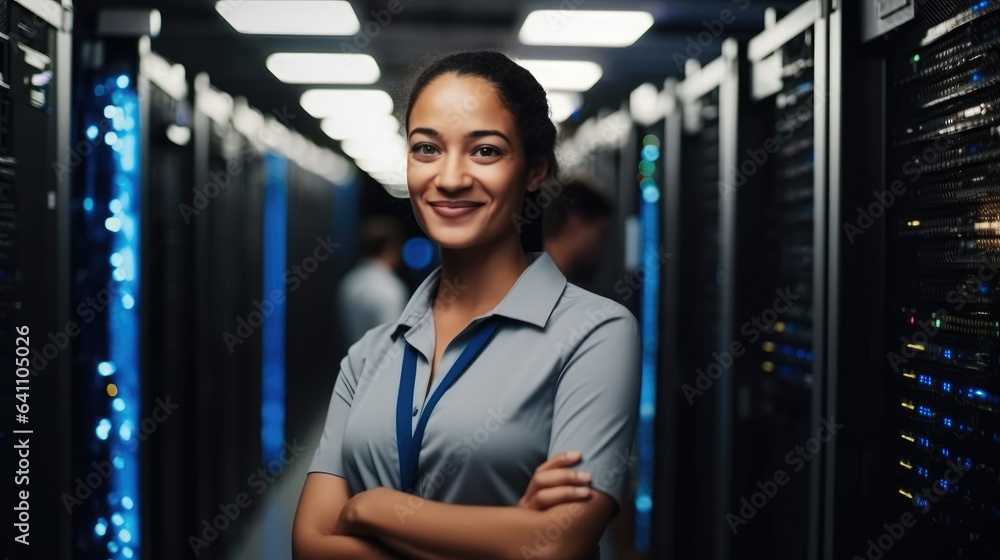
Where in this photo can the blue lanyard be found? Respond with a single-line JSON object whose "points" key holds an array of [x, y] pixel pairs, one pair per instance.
{"points": [[408, 441]]}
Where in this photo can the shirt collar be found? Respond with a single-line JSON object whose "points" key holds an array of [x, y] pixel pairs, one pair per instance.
{"points": [[531, 299]]}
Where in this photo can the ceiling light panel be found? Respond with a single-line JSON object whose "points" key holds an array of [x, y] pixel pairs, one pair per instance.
{"points": [[290, 17], [564, 75], [584, 28], [321, 103], [323, 68]]}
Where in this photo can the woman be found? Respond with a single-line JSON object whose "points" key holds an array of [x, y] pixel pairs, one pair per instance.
{"points": [[440, 426]]}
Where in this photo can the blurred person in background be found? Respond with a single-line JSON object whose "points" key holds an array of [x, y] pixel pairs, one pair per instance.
{"points": [[371, 293], [576, 227]]}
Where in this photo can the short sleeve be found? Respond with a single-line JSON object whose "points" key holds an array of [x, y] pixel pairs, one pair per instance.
{"points": [[329, 457], [596, 403]]}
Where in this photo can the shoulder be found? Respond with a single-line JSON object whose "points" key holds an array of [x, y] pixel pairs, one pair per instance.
{"points": [[375, 343], [580, 305]]}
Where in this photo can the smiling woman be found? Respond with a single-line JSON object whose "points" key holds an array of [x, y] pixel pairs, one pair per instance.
{"points": [[516, 393]]}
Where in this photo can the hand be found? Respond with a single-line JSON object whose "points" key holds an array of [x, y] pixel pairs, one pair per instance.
{"points": [[554, 484]]}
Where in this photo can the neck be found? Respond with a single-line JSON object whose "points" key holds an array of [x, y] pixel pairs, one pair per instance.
{"points": [[476, 279]]}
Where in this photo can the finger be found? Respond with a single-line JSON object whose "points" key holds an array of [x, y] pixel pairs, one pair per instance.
{"points": [[550, 497], [560, 477]]}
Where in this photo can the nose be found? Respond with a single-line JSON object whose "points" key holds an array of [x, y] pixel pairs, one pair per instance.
{"points": [[453, 174]]}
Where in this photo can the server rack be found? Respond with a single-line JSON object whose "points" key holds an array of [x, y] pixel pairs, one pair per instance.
{"points": [[34, 323], [940, 434], [699, 218], [783, 434]]}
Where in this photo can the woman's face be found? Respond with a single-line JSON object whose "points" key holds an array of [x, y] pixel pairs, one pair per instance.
{"points": [[466, 169]]}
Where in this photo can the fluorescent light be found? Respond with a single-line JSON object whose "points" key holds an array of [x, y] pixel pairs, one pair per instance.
{"points": [[323, 68], [564, 75], [563, 104], [584, 28], [337, 102], [375, 165], [290, 17], [345, 127], [389, 148]]}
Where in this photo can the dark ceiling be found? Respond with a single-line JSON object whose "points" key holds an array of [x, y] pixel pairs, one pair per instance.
{"points": [[195, 35]]}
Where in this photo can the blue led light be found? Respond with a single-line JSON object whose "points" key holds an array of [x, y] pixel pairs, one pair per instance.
{"points": [[968, 462], [976, 77], [943, 483], [980, 393], [127, 502], [103, 429], [947, 422], [418, 253], [924, 442], [114, 181], [650, 153], [945, 452], [275, 230], [651, 194], [946, 386], [101, 527], [113, 224], [947, 353], [643, 503], [126, 430]]}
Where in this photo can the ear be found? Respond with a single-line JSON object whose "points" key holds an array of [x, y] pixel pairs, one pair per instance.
{"points": [[536, 174]]}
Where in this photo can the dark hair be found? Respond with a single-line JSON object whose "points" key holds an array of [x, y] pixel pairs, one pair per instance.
{"points": [[517, 89], [582, 196], [378, 233]]}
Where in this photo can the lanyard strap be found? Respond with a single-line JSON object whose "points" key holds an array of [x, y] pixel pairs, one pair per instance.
{"points": [[408, 441]]}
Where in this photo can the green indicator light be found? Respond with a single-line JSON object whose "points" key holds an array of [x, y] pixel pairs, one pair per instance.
{"points": [[651, 140], [937, 323], [916, 58], [647, 167]]}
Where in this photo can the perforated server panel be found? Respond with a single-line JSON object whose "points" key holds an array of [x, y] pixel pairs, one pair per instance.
{"points": [[943, 279], [780, 287]]}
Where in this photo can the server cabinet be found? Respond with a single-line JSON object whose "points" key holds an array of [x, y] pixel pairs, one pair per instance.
{"points": [[35, 326], [940, 435], [698, 220], [783, 433]]}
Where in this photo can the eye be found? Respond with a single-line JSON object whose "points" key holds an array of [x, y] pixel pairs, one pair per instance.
{"points": [[424, 149], [486, 152]]}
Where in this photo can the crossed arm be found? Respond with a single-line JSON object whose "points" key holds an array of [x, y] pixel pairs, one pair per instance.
{"points": [[381, 523]]}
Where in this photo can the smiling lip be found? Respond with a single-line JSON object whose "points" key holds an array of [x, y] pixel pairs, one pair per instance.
{"points": [[455, 208]]}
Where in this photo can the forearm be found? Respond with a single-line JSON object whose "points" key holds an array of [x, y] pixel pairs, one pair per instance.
{"points": [[430, 530], [317, 546]]}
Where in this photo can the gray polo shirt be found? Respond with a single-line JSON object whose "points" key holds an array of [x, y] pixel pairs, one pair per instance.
{"points": [[561, 373]]}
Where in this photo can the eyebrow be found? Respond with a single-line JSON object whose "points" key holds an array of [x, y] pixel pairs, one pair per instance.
{"points": [[474, 134]]}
